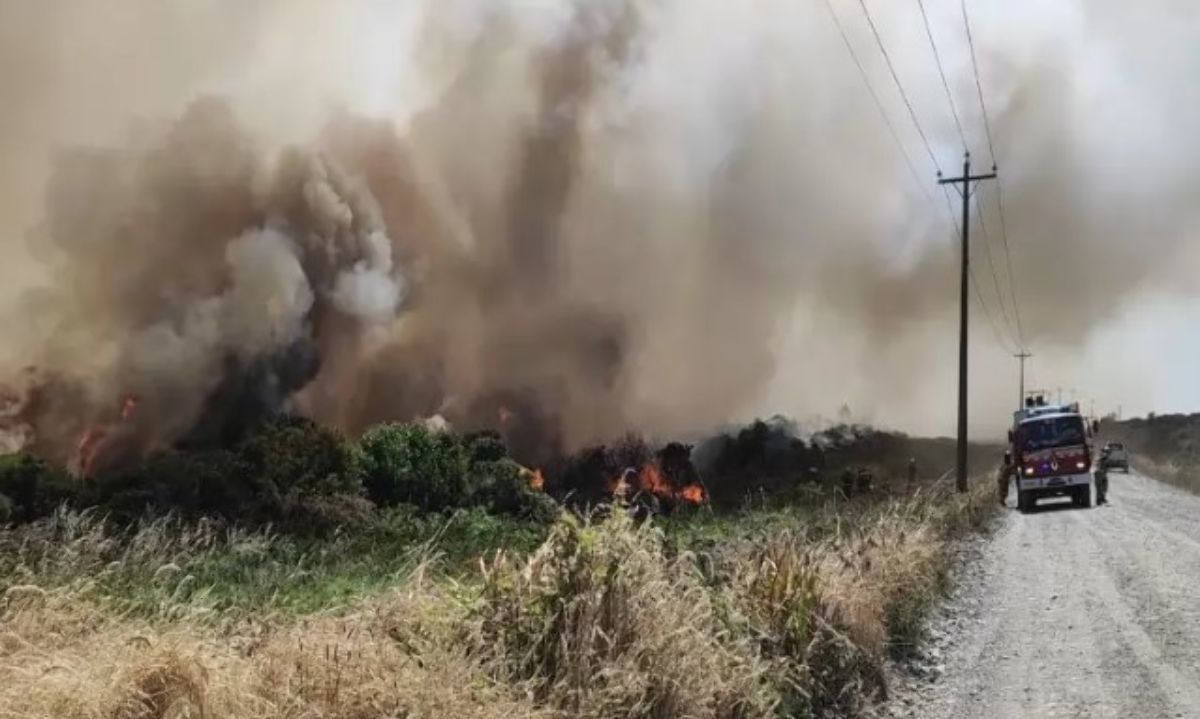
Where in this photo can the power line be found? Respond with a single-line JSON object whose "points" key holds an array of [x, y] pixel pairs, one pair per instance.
{"points": [[996, 334], [1012, 279], [987, 249], [896, 78], [987, 126], [878, 103], [937, 58]]}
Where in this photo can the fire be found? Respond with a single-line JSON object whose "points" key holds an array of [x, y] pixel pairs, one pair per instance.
{"points": [[94, 435], [651, 479], [692, 494], [91, 438], [536, 479]]}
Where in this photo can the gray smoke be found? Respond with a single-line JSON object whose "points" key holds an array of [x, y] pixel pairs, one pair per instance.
{"points": [[571, 219]]}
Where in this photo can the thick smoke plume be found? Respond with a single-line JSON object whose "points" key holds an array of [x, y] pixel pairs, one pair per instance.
{"points": [[565, 220]]}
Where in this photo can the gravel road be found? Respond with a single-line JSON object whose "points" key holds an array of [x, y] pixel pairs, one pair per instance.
{"points": [[1073, 613]]}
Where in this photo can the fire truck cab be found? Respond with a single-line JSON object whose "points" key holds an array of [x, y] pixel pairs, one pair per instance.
{"points": [[1052, 454]]}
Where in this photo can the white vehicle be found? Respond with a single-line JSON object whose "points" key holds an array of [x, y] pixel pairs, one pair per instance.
{"points": [[1114, 456], [1052, 454]]}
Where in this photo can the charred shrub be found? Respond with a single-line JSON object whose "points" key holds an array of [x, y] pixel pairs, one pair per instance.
{"points": [[588, 476], [502, 487], [211, 483], [412, 464], [34, 487], [764, 458]]}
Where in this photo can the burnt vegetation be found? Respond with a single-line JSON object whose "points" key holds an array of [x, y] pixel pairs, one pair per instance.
{"points": [[303, 477]]}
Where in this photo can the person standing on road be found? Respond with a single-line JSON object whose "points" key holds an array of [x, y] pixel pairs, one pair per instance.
{"points": [[1101, 475], [1004, 478]]}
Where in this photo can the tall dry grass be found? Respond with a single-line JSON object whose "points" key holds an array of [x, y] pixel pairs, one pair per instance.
{"points": [[63, 658], [605, 619]]}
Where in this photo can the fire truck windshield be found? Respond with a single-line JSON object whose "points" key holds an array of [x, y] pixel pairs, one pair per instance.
{"points": [[1050, 432]]}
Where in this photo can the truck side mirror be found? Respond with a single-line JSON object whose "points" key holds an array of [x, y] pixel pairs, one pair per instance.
{"points": [[1095, 426]]}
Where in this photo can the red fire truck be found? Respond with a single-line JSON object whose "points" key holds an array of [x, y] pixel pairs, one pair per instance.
{"points": [[1052, 453]]}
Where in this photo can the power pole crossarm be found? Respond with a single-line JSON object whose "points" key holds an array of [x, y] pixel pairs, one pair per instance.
{"points": [[1022, 356], [965, 190]]}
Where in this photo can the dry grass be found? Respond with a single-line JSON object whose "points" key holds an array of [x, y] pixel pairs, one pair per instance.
{"points": [[62, 658], [606, 619], [601, 623]]}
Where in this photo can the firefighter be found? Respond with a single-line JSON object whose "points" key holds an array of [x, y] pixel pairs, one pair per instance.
{"points": [[1004, 478], [1101, 475]]}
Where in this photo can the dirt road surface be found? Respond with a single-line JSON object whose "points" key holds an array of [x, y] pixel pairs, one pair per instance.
{"points": [[1074, 613]]}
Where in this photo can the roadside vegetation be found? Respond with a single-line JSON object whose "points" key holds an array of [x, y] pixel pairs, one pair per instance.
{"points": [[419, 574], [1166, 446]]}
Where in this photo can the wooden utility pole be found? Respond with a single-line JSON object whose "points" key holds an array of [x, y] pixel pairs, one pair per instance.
{"points": [[965, 191], [1022, 355]]}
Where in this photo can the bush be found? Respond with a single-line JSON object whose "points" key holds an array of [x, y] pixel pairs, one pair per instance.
{"points": [[500, 486], [213, 483], [291, 472], [34, 487], [599, 622], [411, 464], [294, 457], [6, 509]]}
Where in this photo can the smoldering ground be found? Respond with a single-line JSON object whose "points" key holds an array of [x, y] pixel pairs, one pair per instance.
{"points": [[572, 220]]}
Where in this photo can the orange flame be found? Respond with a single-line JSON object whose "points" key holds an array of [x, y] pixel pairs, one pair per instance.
{"points": [[94, 435], [692, 494], [537, 480], [651, 479]]}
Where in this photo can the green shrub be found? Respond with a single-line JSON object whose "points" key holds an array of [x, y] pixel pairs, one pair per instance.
{"points": [[411, 464], [290, 472], [294, 456]]}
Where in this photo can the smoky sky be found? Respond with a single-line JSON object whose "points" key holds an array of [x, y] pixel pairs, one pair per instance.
{"points": [[603, 217]]}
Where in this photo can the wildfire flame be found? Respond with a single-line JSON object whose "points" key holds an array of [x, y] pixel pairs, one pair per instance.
{"points": [[651, 479], [94, 435], [536, 479]]}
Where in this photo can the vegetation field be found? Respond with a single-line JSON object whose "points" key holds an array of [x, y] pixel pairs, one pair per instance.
{"points": [[141, 597]]}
